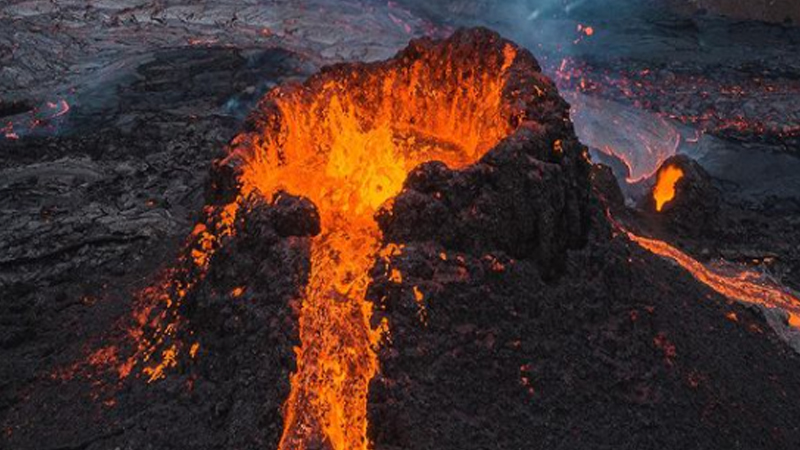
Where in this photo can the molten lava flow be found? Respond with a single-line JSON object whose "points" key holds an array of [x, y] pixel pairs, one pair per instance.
{"points": [[664, 191], [743, 286], [346, 140]]}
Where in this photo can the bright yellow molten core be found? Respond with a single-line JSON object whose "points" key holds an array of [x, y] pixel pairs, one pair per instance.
{"points": [[664, 192], [346, 140]]}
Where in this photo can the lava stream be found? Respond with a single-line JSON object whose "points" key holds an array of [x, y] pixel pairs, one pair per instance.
{"points": [[743, 286], [337, 360]]}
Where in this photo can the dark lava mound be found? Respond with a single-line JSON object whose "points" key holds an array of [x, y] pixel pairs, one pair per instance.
{"points": [[461, 287]]}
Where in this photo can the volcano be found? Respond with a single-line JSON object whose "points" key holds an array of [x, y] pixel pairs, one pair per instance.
{"points": [[340, 148], [418, 253]]}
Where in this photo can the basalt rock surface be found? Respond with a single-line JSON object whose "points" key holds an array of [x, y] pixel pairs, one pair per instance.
{"points": [[483, 209]]}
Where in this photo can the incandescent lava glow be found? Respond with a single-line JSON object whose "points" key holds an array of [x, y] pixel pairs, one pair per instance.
{"points": [[346, 139], [743, 286], [664, 190]]}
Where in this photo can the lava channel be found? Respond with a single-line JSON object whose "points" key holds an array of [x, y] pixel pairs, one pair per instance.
{"points": [[743, 286]]}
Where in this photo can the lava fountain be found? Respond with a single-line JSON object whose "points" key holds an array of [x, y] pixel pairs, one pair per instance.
{"points": [[345, 139]]}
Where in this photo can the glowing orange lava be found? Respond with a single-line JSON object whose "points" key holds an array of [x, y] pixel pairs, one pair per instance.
{"points": [[743, 286], [664, 191], [346, 139], [156, 318]]}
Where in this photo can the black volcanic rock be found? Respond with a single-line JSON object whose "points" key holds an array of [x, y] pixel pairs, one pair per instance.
{"points": [[483, 209], [295, 216], [606, 187], [623, 351], [620, 350], [243, 317]]}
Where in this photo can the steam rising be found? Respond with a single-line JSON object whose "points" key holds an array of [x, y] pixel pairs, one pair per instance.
{"points": [[546, 27]]}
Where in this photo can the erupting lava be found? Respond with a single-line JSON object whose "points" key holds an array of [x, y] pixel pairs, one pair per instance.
{"points": [[664, 191], [346, 140]]}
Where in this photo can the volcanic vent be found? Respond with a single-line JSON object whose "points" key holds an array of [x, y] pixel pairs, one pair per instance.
{"points": [[346, 140]]}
